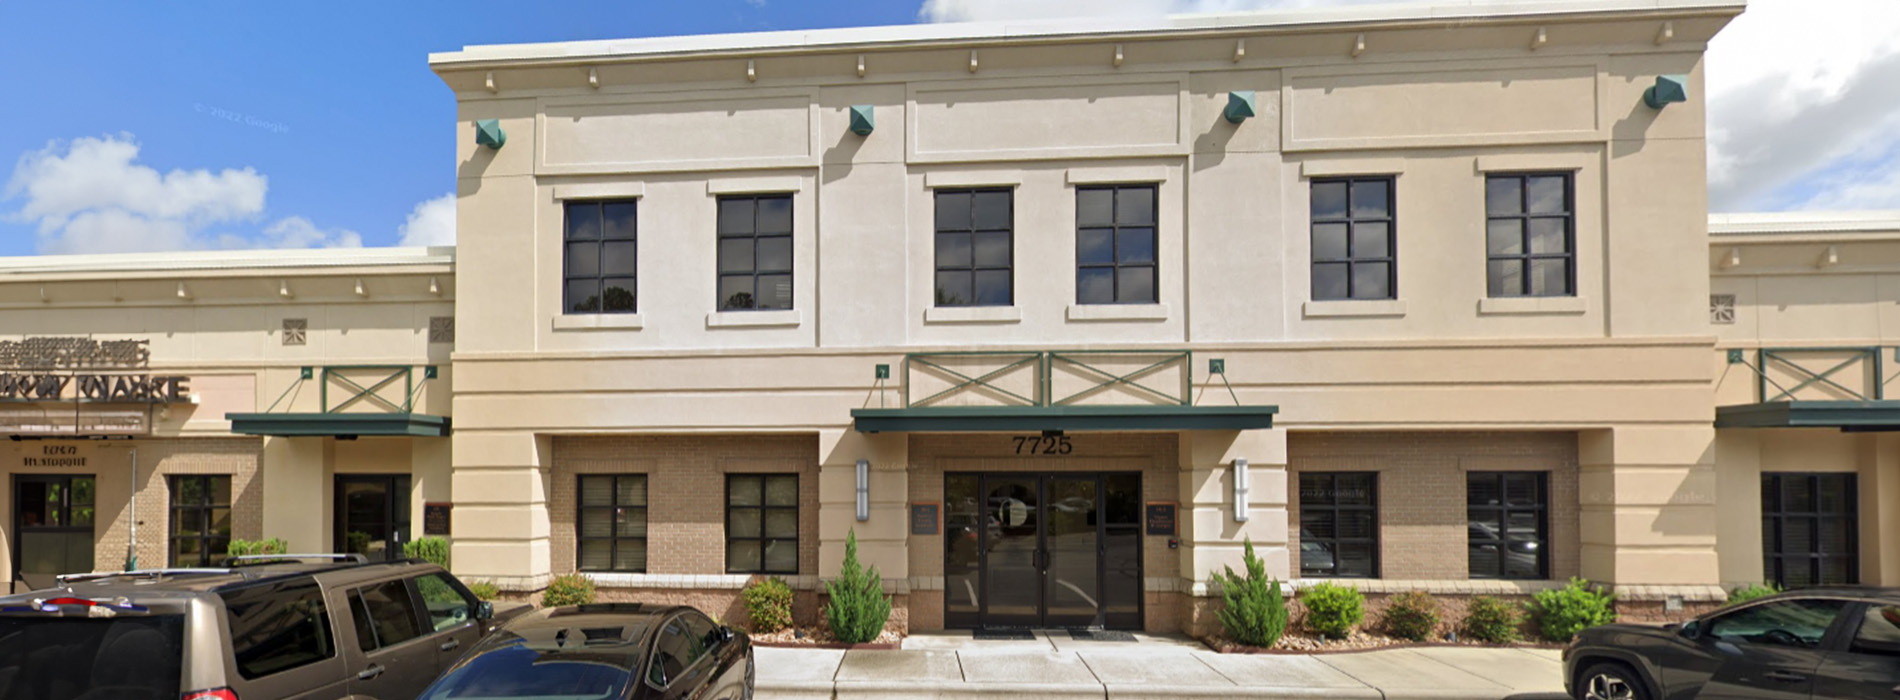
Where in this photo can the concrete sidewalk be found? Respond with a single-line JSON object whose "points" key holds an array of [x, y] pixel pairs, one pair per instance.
{"points": [[952, 665]]}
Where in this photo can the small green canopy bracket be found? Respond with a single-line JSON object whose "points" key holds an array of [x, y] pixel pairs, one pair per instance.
{"points": [[1240, 106], [1848, 416], [339, 424], [863, 119], [1065, 418], [488, 133], [1668, 88]]}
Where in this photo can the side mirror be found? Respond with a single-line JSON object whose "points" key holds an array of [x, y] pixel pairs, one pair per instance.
{"points": [[484, 610], [1686, 630], [724, 634]]}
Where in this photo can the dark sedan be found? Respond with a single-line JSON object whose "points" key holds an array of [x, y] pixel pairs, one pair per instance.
{"points": [[1819, 643], [609, 651]]}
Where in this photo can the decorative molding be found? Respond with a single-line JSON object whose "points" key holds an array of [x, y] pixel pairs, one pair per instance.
{"points": [[1335, 167], [600, 322], [973, 178], [601, 190], [1085, 175], [1722, 309], [1522, 162], [1360, 308], [1118, 312], [296, 331], [755, 319], [1532, 306], [973, 314], [442, 329], [755, 185]]}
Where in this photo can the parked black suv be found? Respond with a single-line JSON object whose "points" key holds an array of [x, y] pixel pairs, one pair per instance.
{"points": [[309, 627]]}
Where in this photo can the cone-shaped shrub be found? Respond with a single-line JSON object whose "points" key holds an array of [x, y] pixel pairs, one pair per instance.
{"points": [[857, 609], [1255, 613]]}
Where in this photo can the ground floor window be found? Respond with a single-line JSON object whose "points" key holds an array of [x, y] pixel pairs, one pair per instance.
{"points": [[1809, 529], [1509, 524], [1339, 524], [762, 523], [201, 519], [612, 530]]}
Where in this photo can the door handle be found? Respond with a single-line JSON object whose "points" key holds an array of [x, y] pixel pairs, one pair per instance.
{"points": [[373, 671], [451, 644], [1786, 676]]}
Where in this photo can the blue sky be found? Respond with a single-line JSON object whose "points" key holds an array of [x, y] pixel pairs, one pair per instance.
{"points": [[294, 124]]}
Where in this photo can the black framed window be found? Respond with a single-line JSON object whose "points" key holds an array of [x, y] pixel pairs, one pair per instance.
{"points": [[1115, 241], [1354, 238], [201, 519], [1509, 514], [1810, 528], [1339, 524], [611, 534], [762, 523], [1530, 235], [974, 247], [755, 252], [601, 257]]}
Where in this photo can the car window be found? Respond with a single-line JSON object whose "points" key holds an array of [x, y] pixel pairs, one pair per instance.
{"points": [[1794, 623], [703, 633], [387, 610], [672, 653], [448, 604], [1879, 631], [277, 627]]}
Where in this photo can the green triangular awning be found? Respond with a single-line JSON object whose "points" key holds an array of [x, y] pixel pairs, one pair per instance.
{"points": [[1850, 416], [1065, 418], [339, 424]]}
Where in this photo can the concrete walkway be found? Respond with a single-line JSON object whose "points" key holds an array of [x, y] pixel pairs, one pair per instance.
{"points": [[952, 665]]}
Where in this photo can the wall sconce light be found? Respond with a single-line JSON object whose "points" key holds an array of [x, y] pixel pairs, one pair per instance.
{"points": [[1668, 88], [1829, 257], [863, 119], [488, 133], [864, 490], [360, 291], [435, 287], [183, 293], [283, 289], [1242, 482], [1240, 106]]}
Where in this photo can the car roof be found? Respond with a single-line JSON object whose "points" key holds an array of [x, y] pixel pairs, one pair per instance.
{"points": [[187, 583], [592, 615]]}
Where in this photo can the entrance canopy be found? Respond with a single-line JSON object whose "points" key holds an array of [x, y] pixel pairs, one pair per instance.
{"points": [[339, 424], [356, 401], [1848, 416]]}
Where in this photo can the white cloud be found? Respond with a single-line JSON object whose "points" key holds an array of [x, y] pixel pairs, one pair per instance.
{"points": [[432, 222]]}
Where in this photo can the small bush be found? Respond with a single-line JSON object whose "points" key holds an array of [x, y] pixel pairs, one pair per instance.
{"points": [[1333, 610], [484, 590], [1412, 615], [434, 550], [1562, 613], [1255, 611], [858, 609], [568, 589], [246, 548], [1491, 621], [768, 602], [1751, 592]]}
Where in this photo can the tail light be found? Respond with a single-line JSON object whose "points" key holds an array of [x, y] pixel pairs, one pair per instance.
{"points": [[213, 694]]}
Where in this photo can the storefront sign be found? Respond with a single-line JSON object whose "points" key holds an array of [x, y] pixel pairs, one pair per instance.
{"points": [[73, 353], [435, 518], [48, 419], [1160, 518], [54, 457], [101, 388], [923, 518], [59, 386]]}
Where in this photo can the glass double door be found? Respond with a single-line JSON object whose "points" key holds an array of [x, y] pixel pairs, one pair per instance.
{"points": [[372, 515], [52, 528], [1043, 550]]}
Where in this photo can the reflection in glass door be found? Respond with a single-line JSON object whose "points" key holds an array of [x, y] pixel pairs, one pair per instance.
{"points": [[372, 515], [1013, 551], [1042, 550], [52, 526]]}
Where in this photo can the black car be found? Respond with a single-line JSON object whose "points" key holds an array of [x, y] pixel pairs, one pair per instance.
{"points": [[606, 651], [1820, 643]]}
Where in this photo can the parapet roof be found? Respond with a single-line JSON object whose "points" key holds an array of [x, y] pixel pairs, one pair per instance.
{"points": [[1803, 222], [227, 260]]}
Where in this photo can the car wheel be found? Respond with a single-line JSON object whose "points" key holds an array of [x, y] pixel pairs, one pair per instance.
{"points": [[1610, 681]]}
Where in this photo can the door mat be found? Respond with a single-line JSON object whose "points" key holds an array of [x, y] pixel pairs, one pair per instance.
{"points": [[1004, 635], [1101, 635]]}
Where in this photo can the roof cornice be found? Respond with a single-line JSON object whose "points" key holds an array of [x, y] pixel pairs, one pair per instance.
{"points": [[231, 263]]}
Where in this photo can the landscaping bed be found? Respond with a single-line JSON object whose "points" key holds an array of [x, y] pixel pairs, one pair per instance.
{"points": [[1299, 642], [820, 637]]}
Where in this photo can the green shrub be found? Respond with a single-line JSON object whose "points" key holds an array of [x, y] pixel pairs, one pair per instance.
{"points": [[434, 550], [1333, 610], [1562, 613], [245, 548], [1751, 592], [1491, 621], [568, 589], [484, 590], [1412, 615], [357, 541], [1255, 611], [768, 602], [858, 609]]}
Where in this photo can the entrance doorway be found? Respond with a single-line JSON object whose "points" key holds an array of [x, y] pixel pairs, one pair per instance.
{"points": [[1042, 550], [52, 527], [372, 515]]}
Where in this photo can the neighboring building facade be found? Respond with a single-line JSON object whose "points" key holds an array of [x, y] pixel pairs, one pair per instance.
{"points": [[1013, 304]]}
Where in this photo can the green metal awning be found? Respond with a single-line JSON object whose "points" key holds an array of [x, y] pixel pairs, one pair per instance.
{"points": [[339, 424], [1065, 418], [1849, 416]]}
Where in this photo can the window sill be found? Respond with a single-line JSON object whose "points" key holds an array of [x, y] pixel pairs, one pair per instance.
{"points": [[755, 319], [1532, 306], [973, 314], [1118, 312], [1361, 308], [599, 322]]}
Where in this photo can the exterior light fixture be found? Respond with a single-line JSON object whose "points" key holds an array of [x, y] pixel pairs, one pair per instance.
{"points": [[183, 293], [1668, 88], [1242, 481], [488, 133], [864, 490], [283, 289], [360, 291], [434, 287], [863, 119], [1240, 106]]}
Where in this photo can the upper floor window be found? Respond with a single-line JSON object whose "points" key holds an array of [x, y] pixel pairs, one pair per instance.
{"points": [[755, 252], [1115, 245], [599, 260], [974, 248], [1353, 245], [1530, 233]]}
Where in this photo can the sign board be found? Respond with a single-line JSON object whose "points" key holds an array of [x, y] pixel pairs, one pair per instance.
{"points": [[924, 518], [435, 518], [1160, 518], [73, 419], [77, 386]]}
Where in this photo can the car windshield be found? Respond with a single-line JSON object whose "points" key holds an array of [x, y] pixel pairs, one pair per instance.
{"points": [[122, 658], [517, 670]]}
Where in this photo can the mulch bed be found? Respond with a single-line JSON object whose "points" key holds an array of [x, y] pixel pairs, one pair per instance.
{"points": [[819, 637], [1302, 642]]}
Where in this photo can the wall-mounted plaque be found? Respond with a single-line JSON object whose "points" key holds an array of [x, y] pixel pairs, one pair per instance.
{"points": [[1160, 518], [435, 519], [924, 518]]}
